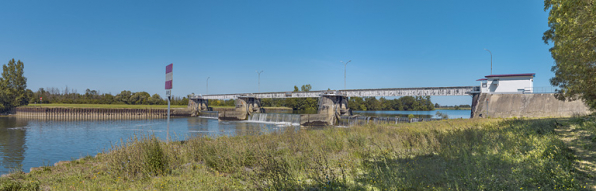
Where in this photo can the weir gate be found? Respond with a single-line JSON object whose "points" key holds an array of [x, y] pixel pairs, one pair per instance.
{"points": [[332, 103]]}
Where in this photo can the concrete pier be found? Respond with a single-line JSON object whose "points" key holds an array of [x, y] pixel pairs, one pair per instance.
{"points": [[331, 107], [198, 104]]}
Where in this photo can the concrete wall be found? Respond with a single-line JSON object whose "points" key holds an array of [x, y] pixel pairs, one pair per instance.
{"points": [[527, 105]]}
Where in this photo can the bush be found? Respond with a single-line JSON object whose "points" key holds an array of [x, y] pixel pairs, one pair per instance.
{"points": [[155, 162], [442, 115], [138, 158]]}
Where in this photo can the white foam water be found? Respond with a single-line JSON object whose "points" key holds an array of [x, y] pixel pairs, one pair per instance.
{"points": [[276, 118]]}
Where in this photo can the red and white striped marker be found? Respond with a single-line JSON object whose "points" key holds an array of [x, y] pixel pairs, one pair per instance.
{"points": [[169, 75]]}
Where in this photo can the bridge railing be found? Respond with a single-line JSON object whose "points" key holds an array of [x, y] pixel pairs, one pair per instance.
{"points": [[540, 90]]}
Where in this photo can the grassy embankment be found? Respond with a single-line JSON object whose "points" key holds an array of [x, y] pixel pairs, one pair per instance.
{"points": [[476, 154]]}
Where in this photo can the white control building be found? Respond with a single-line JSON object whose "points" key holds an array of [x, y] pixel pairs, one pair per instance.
{"points": [[507, 83]]}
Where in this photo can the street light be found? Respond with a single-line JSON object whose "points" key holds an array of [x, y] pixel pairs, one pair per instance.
{"points": [[259, 79], [345, 64], [207, 85], [491, 61]]}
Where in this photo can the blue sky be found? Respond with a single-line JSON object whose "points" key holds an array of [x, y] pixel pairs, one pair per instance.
{"points": [[112, 46]]}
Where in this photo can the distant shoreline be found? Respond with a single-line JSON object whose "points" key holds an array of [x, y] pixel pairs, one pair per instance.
{"points": [[453, 108]]}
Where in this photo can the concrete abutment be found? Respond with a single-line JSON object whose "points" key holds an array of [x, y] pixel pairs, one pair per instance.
{"points": [[331, 107], [525, 105]]}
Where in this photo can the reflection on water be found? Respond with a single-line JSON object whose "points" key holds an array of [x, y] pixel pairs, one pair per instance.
{"points": [[37, 142], [12, 142]]}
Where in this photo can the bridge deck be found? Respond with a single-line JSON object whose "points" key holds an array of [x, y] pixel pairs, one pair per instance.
{"points": [[386, 92]]}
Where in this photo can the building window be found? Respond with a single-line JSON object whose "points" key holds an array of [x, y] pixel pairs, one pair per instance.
{"points": [[483, 84]]}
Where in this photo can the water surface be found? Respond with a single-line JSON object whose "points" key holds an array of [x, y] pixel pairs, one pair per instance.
{"points": [[26, 143]]}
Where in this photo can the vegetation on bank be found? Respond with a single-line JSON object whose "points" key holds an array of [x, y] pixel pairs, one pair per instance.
{"points": [[13, 86], [571, 31], [454, 108], [404, 103], [475, 154], [125, 97]]}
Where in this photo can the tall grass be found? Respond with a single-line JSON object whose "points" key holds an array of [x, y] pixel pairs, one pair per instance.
{"points": [[488, 154]]}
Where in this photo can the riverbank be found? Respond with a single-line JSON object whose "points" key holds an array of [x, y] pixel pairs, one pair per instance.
{"points": [[475, 154], [453, 108]]}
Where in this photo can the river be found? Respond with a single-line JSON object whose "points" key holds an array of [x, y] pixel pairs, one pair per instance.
{"points": [[26, 143]]}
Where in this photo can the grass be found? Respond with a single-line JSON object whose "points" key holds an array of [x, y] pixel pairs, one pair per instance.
{"points": [[475, 154], [105, 106]]}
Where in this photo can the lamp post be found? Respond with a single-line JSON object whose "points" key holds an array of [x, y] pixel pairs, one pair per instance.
{"points": [[491, 61], [207, 86], [259, 79], [345, 65]]}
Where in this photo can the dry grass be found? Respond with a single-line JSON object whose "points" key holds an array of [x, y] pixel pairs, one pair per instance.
{"points": [[486, 154]]}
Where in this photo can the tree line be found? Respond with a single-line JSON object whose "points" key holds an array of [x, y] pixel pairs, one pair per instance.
{"points": [[407, 103], [55, 95]]}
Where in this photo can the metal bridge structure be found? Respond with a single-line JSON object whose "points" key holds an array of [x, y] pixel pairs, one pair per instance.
{"points": [[384, 92]]}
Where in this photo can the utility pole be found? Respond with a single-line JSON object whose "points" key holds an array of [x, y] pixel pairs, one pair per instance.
{"points": [[207, 86], [259, 79], [345, 65], [491, 61]]}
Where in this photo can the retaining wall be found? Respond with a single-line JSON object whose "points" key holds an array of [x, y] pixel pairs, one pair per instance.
{"points": [[97, 113], [527, 105]]}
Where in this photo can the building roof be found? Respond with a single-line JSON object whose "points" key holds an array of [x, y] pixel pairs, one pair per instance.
{"points": [[481, 79], [511, 75]]}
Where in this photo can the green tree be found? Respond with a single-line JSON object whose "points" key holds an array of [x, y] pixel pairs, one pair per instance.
{"points": [[139, 98], [13, 86], [572, 32], [123, 97], [305, 88]]}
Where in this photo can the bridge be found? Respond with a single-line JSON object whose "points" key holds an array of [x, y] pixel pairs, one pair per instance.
{"points": [[384, 92], [332, 103]]}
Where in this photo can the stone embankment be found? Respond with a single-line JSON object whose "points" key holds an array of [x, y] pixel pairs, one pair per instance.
{"points": [[98, 113]]}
